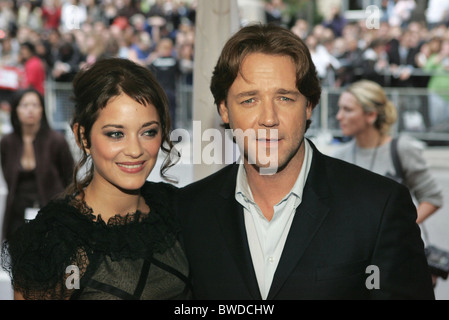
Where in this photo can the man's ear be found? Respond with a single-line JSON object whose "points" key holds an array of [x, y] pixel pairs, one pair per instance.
{"points": [[309, 109], [78, 132], [224, 112]]}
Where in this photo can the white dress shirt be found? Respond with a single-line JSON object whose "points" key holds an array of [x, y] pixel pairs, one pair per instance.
{"points": [[266, 239]]}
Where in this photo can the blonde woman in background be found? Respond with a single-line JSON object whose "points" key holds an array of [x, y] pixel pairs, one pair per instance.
{"points": [[366, 114]]}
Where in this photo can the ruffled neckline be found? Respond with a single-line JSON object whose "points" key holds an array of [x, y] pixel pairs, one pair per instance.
{"points": [[115, 220], [134, 235]]}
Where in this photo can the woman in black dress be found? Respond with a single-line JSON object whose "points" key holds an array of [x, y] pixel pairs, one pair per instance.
{"points": [[113, 235]]}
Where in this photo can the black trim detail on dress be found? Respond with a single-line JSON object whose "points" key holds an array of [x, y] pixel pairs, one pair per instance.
{"points": [[142, 279], [171, 270], [111, 290]]}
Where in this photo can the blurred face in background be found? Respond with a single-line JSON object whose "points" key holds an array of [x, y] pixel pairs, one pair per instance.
{"points": [[351, 116], [30, 110], [165, 48], [24, 53]]}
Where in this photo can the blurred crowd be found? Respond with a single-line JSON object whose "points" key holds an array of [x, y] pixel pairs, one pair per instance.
{"points": [[53, 39], [395, 47]]}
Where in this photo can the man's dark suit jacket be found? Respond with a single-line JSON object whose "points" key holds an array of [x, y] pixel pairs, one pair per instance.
{"points": [[349, 219]]}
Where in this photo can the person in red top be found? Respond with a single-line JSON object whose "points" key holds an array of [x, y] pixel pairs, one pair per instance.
{"points": [[51, 14], [34, 67]]}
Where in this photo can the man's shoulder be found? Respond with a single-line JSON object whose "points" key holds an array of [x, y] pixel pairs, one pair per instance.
{"points": [[348, 174], [213, 181], [208, 194]]}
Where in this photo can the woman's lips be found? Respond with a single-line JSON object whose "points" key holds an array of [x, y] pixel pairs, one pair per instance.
{"points": [[131, 167]]}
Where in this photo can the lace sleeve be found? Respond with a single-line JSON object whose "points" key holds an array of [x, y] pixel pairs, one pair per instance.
{"points": [[37, 257]]}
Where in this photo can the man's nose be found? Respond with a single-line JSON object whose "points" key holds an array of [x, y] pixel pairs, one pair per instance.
{"points": [[268, 116]]}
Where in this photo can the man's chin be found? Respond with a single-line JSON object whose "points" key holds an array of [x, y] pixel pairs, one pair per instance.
{"points": [[270, 165], [266, 169]]}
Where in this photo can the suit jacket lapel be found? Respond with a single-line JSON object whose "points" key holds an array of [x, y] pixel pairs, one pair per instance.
{"points": [[308, 218], [232, 222]]}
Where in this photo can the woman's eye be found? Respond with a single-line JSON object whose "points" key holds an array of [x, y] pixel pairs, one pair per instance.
{"points": [[151, 132], [344, 109], [114, 134]]}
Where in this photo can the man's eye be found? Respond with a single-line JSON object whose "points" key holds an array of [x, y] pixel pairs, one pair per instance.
{"points": [[286, 99], [248, 101]]}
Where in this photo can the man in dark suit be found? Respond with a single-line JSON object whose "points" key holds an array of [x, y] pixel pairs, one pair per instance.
{"points": [[402, 59], [301, 225]]}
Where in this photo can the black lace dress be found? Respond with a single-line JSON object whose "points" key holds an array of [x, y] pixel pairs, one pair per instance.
{"points": [[69, 253]]}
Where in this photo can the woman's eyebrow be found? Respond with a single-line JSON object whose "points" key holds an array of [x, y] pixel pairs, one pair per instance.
{"points": [[119, 126], [150, 123]]}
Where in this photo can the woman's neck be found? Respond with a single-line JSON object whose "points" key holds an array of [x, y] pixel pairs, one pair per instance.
{"points": [[29, 132], [370, 138], [109, 202]]}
